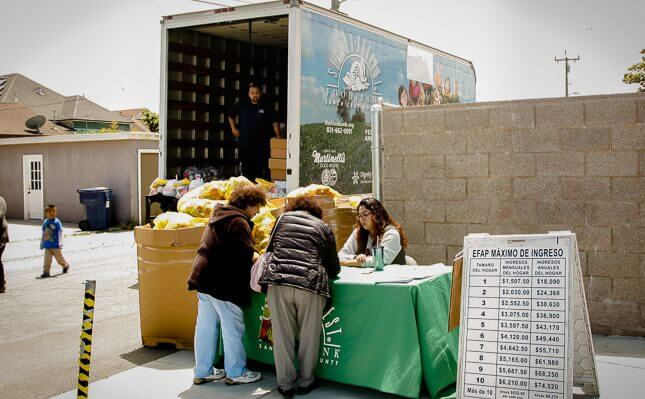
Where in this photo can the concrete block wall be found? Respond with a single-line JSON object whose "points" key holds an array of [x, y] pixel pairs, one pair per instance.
{"points": [[529, 166]]}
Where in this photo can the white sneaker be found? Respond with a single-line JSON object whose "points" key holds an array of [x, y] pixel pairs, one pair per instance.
{"points": [[246, 378], [217, 375]]}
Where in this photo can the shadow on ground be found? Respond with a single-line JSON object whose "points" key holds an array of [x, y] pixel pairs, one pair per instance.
{"points": [[145, 355]]}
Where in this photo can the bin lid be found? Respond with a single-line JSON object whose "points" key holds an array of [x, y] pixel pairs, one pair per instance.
{"points": [[94, 190]]}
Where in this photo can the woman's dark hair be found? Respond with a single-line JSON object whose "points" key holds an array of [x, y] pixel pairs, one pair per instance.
{"points": [[401, 90], [382, 219], [304, 204], [243, 197]]}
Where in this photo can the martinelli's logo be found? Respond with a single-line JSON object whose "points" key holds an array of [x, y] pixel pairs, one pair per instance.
{"points": [[354, 69], [330, 351]]}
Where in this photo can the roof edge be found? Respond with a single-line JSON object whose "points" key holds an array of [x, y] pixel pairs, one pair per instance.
{"points": [[75, 138]]}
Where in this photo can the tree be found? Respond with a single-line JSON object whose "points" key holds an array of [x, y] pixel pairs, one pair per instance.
{"points": [[151, 119], [343, 107], [114, 128], [359, 116], [637, 74]]}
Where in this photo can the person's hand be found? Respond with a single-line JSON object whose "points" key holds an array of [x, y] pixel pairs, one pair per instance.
{"points": [[236, 132], [350, 263], [361, 258]]}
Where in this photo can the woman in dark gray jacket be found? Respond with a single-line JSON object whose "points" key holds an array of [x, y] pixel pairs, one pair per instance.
{"points": [[298, 275]]}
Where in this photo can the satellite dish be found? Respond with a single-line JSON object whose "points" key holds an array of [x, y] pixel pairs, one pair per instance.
{"points": [[35, 123]]}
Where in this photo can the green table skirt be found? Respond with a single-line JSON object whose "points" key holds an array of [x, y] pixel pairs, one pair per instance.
{"points": [[388, 337]]}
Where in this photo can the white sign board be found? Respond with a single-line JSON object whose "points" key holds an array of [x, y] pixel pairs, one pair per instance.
{"points": [[515, 338], [420, 65]]}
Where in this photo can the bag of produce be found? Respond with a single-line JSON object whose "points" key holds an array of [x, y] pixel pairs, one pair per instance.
{"points": [[265, 185], [214, 190], [235, 182], [158, 182], [263, 224], [198, 181], [313, 190], [181, 191], [170, 190], [175, 220], [198, 207]]}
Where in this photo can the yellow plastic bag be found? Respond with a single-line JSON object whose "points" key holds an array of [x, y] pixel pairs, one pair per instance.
{"points": [[263, 223], [175, 220], [158, 182], [194, 193], [214, 190], [235, 182], [313, 190], [184, 182], [198, 207], [265, 185]]}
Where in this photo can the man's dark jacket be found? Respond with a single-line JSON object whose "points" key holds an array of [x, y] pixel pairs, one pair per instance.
{"points": [[303, 254], [222, 268]]}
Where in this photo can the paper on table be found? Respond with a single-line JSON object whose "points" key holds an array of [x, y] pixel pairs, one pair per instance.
{"points": [[391, 274], [406, 274]]}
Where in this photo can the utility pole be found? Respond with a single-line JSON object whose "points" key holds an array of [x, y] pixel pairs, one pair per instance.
{"points": [[566, 70]]}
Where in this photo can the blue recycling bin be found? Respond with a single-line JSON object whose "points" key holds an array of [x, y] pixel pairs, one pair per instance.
{"points": [[97, 208]]}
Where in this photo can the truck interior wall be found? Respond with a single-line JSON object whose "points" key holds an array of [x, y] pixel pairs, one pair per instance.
{"points": [[207, 74]]}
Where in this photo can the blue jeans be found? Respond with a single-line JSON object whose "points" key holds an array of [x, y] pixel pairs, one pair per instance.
{"points": [[211, 314]]}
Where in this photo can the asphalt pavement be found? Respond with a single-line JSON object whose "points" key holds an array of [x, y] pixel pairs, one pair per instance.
{"points": [[40, 319]]}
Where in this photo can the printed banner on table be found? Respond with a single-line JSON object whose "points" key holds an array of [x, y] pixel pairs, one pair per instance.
{"points": [[337, 95]]}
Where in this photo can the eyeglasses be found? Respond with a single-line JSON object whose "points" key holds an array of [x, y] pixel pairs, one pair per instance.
{"points": [[364, 215]]}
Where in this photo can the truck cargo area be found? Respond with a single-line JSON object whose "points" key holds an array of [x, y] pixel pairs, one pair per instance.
{"points": [[209, 69]]}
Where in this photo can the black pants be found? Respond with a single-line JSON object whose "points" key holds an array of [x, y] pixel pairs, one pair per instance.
{"points": [[2, 282], [254, 164]]}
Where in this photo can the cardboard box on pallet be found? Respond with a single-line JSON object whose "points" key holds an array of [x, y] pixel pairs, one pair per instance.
{"points": [[278, 143], [167, 309], [279, 153], [278, 168], [278, 174]]}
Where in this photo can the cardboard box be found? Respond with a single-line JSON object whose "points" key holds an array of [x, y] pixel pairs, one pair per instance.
{"points": [[145, 235], [454, 314], [342, 222], [278, 143], [280, 153], [167, 309], [278, 174], [275, 163]]}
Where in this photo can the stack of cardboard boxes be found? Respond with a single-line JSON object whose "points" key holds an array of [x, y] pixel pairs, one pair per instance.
{"points": [[278, 161], [341, 219]]}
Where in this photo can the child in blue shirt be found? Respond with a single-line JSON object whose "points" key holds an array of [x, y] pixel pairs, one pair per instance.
{"points": [[52, 241]]}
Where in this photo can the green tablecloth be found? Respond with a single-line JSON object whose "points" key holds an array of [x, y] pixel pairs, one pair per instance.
{"points": [[388, 337]]}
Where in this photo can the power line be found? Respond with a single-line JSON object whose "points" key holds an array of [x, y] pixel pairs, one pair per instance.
{"points": [[567, 69], [214, 3], [36, 106]]}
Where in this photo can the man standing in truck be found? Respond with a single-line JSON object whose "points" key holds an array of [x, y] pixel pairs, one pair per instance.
{"points": [[257, 124]]}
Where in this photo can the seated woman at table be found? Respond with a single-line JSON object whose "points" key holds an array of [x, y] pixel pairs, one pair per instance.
{"points": [[374, 227]]}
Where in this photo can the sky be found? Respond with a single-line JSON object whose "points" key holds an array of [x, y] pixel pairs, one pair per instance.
{"points": [[109, 51]]}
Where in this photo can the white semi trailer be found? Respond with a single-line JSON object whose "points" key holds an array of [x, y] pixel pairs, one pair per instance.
{"points": [[320, 70]]}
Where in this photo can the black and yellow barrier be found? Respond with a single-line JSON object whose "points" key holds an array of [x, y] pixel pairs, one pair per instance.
{"points": [[85, 354]]}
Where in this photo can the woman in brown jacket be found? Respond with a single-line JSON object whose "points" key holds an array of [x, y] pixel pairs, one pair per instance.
{"points": [[221, 274]]}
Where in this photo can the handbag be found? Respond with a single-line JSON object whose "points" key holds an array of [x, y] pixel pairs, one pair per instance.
{"points": [[258, 267], [257, 270]]}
